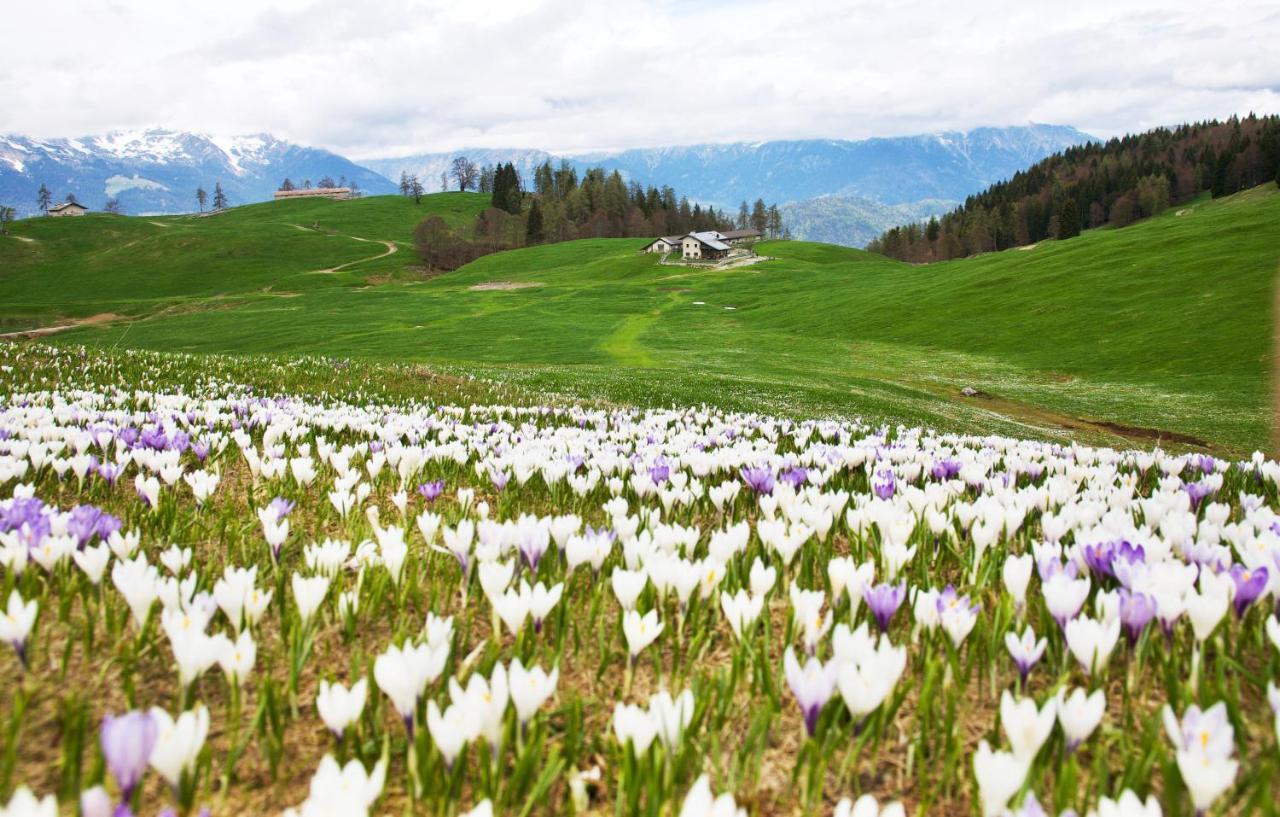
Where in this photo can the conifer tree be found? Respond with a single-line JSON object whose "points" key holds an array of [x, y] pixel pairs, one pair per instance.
{"points": [[219, 197], [43, 198], [533, 231], [1068, 219]]}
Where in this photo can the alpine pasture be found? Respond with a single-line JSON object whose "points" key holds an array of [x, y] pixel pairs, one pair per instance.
{"points": [[1156, 333], [292, 524]]}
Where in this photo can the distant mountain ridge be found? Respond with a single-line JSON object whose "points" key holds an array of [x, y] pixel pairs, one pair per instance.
{"points": [[839, 191], [864, 180], [157, 170]]}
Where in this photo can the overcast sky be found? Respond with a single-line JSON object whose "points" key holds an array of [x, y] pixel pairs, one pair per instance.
{"points": [[393, 77]]}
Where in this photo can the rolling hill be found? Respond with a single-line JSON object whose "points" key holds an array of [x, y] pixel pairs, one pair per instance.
{"points": [[1116, 336]]}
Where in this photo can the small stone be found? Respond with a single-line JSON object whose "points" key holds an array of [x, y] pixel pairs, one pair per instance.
{"points": [[969, 391]]}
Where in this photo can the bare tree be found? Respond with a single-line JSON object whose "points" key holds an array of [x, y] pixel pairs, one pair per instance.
{"points": [[6, 218], [43, 198], [464, 172], [112, 205], [415, 189], [203, 197]]}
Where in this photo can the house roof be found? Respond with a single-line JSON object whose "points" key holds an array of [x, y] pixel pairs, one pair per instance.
{"points": [[732, 234], [312, 191], [67, 204], [711, 238]]}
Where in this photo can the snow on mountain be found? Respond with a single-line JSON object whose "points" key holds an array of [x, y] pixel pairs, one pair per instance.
{"points": [[157, 170]]}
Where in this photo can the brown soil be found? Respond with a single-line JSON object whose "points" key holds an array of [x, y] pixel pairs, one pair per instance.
{"points": [[101, 317], [1039, 415]]}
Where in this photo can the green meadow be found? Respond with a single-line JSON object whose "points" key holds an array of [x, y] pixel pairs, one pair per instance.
{"points": [[1155, 333]]}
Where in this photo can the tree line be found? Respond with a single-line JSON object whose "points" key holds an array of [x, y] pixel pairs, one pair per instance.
{"points": [[1101, 183], [561, 205]]}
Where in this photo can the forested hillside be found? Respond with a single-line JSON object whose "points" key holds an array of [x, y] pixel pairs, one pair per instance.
{"points": [[1113, 183], [563, 206]]}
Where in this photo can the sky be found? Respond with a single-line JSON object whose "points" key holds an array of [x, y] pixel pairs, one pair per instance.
{"points": [[396, 77]]}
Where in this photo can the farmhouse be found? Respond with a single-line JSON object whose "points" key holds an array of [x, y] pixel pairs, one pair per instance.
{"points": [[68, 208], [709, 244], [315, 192]]}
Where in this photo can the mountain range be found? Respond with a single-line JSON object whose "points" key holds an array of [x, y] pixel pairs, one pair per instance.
{"points": [[156, 170], [838, 191]]}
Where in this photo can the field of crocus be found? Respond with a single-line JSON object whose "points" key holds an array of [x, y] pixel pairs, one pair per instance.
{"points": [[233, 586]]}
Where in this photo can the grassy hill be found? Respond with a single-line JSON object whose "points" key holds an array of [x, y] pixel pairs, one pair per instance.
{"points": [[54, 269], [1159, 331]]}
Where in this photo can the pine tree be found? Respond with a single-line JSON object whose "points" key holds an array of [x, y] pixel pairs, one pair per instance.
{"points": [[287, 184], [774, 221], [533, 230], [1068, 219], [744, 216], [202, 197], [759, 217], [43, 198], [219, 197]]}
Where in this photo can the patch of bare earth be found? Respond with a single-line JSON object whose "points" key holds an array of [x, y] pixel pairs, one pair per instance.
{"points": [[1042, 416], [41, 331]]}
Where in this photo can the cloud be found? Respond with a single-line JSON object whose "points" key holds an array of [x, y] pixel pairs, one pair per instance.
{"points": [[397, 76]]}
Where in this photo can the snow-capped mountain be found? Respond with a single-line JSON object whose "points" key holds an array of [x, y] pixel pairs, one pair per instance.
{"points": [[158, 170]]}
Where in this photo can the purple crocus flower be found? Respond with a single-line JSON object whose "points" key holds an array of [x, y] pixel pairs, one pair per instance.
{"points": [[431, 491], [110, 472], [813, 685], [127, 741], [1206, 463], [499, 478], [1250, 584], [201, 450], [660, 471], [759, 479], [884, 485], [180, 441], [883, 600], [1136, 612], [1198, 491], [1098, 557], [795, 476], [280, 507]]}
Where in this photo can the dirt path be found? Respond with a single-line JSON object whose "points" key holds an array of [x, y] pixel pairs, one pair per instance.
{"points": [[39, 332], [27, 239], [391, 249]]}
